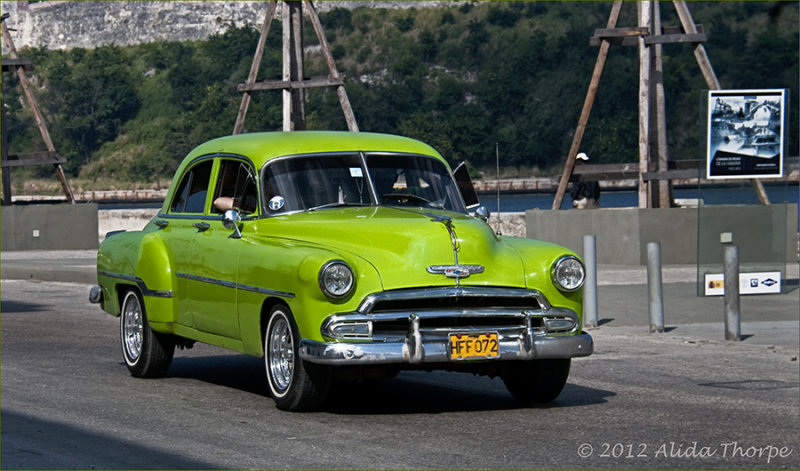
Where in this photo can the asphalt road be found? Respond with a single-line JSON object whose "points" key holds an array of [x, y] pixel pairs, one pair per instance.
{"points": [[680, 400]]}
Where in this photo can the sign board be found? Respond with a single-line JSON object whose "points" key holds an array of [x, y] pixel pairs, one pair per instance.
{"points": [[749, 283], [745, 133]]}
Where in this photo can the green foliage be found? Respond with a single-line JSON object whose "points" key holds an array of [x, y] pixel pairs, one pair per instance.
{"points": [[463, 78], [338, 18]]}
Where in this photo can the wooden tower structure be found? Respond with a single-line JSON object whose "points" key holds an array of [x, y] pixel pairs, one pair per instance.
{"points": [[293, 83], [653, 171], [49, 157]]}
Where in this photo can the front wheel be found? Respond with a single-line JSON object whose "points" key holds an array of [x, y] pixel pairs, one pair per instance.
{"points": [[536, 381], [294, 384], [147, 354]]}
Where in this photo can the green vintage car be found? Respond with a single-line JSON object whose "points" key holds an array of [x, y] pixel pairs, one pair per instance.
{"points": [[339, 254]]}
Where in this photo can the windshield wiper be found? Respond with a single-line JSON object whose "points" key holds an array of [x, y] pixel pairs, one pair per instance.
{"points": [[335, 205], [407, 199]]}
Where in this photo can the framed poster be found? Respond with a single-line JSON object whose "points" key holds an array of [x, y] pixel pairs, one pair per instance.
{"points": [[745, 133]]}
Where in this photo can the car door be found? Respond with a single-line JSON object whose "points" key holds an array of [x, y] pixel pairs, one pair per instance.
{"points": [[213, 284], [178, 229]]}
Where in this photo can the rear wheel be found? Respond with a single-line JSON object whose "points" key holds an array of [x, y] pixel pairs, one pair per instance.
{"points": [[147, 354], [536, 381], [294, 384]]}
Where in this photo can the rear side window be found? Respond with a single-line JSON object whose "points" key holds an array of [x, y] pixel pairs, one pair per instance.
{"points": [[192, 191]]}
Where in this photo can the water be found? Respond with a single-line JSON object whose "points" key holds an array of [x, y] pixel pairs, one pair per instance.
{"points": [[521, 202], [739, 194]]}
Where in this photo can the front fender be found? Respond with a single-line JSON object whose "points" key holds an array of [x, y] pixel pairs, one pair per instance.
{"points": [[314, 306], [290, 270], [538, 258]]}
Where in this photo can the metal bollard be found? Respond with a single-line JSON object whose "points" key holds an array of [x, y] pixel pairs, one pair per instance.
{"points": [[590, 284], [655, 293], [733, 320]]}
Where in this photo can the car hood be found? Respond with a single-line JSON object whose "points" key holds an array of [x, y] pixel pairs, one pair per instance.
{"points": [[402, 243]]}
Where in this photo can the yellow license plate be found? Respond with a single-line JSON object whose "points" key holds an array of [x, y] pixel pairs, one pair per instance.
{"points": [[474, 346]]}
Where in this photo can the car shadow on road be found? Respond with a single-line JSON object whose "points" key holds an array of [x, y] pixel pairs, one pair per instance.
{"points": [[11, 307], [456, 392], [31, 442], [241, 372], [410, 392]]}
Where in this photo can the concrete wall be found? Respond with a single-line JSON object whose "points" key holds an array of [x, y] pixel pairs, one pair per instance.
{"points": [[48, 227], [69, 24], [763, 233]]}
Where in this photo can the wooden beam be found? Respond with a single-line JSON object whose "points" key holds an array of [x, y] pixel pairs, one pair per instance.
{"points": [[341, 92], [599, 172], [290, 85], [699, 51], [667, 34], [37, 113], [675, 38], [45, 154], [608, 33], [6, 175], [664, 176], [23, 161], [594, 83], [286, 19], [254, 66], [645, 21], [8, 64], [664, 186], [297, 65]]}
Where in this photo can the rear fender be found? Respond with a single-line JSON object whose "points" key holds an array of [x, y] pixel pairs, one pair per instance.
{"points": [[154, 269]]}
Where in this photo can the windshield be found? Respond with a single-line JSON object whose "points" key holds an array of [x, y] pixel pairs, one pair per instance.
{"points": [[324, 181]]}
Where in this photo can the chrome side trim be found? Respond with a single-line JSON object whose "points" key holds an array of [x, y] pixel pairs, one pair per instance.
{"points": [[234, 285], [139, 283]]}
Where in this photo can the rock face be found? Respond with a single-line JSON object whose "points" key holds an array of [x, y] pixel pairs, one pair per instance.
{"points": [[87, 24]]}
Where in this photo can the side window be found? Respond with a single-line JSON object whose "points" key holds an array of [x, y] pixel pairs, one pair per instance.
{"points": [[191, 194], [237, 184]]}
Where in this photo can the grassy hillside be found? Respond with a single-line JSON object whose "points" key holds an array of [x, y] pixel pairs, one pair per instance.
{"points": [[463, 78]]}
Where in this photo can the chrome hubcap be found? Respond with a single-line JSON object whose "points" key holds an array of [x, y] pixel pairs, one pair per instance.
{"points": [[132, 328], [281, 354]]}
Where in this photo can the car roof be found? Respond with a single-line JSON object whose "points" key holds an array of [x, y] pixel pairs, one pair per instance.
{"points": [[262, 147]]}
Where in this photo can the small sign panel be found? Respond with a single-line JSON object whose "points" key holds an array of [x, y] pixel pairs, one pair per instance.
{"points": [[746, 133], [749, 283]]}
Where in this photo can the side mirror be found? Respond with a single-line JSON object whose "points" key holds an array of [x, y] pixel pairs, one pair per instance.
{"points": [[464, 182], [231, 220], [482, 213]]}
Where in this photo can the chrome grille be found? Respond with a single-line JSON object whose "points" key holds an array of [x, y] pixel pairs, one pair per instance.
{"points": [[435, 312]]}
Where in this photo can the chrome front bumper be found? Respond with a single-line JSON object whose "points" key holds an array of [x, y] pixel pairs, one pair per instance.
{"points": [[437, 351], [414, 327]]}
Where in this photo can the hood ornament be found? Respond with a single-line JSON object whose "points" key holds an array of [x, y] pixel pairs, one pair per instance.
{"points": [[457, 270]]}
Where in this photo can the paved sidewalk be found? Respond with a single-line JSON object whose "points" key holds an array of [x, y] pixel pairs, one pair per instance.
{"points": [[623, 306]]}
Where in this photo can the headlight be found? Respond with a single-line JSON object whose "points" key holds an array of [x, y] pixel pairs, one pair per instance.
{"points": [[336, 279], [568, 273]]}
